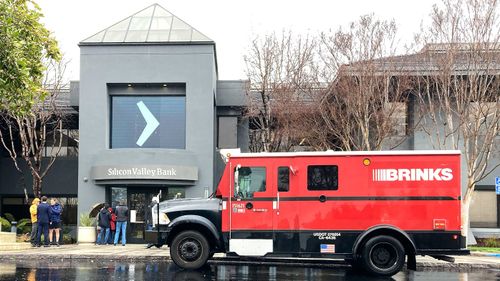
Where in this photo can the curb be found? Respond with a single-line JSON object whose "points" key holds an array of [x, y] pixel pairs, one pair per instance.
{"points": [[485, 254], [21, 257]]}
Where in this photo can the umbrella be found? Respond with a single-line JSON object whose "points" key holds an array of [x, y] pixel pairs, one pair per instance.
{"points": [[95, 209]]}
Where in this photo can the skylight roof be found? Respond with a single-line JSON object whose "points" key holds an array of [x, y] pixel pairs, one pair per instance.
{"points": [[152, 24]]}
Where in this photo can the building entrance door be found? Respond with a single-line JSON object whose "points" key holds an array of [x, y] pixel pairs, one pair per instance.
{"points": [[138, 202], [138, 198]]}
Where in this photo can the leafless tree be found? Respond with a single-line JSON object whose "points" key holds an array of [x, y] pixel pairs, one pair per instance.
{"points": [[37, 136], [280, 68], [460, 90], [367, 90]]}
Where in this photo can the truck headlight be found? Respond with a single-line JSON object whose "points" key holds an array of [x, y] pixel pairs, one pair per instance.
{"points": [[164, 219]]}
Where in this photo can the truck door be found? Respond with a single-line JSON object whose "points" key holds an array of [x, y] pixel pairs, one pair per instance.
{"points": [[251, 210], [286, 213]]}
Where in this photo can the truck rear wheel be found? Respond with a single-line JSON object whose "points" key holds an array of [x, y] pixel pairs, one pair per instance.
{"points": [[383, 255], [189, 249]]}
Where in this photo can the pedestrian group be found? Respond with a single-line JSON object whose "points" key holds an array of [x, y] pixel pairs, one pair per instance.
{"points": [[112, 223], [46, 221]]}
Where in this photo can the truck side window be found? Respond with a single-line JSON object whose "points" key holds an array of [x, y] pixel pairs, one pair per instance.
{"points": [[250, 180], [322, 177], [283, 179]]}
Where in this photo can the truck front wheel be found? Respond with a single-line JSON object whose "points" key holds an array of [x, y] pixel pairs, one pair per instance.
{"points": [[189, 249], [383, 255]]}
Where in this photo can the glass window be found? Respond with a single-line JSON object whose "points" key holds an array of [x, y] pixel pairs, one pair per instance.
{"points": [[249, 181], [67, 139], [283, 179], [228, 132], [322, 177], [176, 193], [398, 112], [118, 194], [148, 122]]}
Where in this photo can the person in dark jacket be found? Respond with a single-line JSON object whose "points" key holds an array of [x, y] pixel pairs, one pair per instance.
{"points": [[55, 221], [103, 220], [43, 218], [121, 212]]}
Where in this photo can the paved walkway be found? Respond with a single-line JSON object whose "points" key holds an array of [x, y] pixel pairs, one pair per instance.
{"points": [[132, 252]]}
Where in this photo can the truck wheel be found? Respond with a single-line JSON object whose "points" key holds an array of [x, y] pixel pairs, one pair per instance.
{"points": [[383, 255], [190, 250]]}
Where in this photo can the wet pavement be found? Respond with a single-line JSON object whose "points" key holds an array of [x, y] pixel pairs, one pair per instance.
{"points": [[134, 262], [61, 269]]}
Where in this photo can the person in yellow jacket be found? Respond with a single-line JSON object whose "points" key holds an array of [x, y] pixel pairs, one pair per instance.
{"points": [[34, 223]]}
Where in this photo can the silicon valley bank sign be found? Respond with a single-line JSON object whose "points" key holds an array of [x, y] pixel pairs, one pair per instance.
{"points": [[149, 172]]}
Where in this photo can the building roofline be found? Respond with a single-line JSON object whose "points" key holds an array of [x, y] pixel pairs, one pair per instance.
{"points": [[347, 153], [145, 43]]}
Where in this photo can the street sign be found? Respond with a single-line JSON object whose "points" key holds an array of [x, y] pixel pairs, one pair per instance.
{"points": [[497, 185]]}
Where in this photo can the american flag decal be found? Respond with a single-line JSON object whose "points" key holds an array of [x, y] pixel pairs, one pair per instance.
{"points": [[327, 248]]}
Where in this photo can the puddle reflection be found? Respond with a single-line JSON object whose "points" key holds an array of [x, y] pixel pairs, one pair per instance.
{"points": [[101, 270]]}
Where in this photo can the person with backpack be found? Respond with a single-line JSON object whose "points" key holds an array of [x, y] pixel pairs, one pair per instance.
{"points": [[103, 220]]}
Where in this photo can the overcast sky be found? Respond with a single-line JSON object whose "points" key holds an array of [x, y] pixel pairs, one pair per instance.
{"points": [[230, 23]]}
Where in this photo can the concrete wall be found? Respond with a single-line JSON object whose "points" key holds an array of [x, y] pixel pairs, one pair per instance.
{"points": [[193, 65], [483, 209]]}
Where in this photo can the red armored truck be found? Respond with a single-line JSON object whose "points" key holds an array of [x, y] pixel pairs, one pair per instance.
{"points": [[373, 209]]}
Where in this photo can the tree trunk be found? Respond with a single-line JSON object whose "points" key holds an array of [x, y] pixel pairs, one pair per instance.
{"points": [[467, 199], [37, 186]]}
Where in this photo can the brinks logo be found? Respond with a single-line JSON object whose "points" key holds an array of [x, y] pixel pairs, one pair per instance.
{"points": [[438, 174]]}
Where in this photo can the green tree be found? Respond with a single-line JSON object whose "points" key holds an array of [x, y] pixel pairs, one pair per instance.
{"points": [[24, 45], [28, 111]]}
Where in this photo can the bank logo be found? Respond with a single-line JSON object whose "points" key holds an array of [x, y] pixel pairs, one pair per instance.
{"points": [[151, 123], [439, 174]]}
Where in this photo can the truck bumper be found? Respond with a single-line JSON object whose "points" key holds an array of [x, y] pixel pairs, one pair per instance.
{"points": [[151, 237]]}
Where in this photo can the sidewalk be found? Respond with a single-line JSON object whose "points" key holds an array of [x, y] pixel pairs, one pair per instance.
{"points": [[133, 252]]}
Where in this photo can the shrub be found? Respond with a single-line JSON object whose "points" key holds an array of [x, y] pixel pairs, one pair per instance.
{"points": [[24, 226], [488, 242], [67, 239], [5, 224], [85, 220], [9, 217]]}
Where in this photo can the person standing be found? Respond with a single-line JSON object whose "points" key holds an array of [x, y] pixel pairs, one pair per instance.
{"points": [[34, 223], [121, 212], [112, 226], [55, 221], [43, 217], [103, 221], [149, 217]]}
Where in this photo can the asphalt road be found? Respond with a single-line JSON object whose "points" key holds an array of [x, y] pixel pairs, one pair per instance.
{"points": [[134, 262], [160, 270]]}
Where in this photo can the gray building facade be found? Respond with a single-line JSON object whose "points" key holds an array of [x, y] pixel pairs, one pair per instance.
{"points": [[150, 108]]}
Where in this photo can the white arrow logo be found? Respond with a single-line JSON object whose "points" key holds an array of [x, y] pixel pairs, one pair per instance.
{"points": [[151, 123]]}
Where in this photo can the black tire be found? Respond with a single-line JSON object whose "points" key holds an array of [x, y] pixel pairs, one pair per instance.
{"points": [[383, 256], [190, 250]]}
